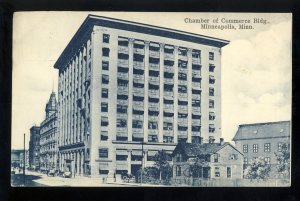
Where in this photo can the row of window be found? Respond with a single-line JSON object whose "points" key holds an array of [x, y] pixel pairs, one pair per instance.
{"points": [[48, 126], [200, 172], [267, 147], [195, 102], [138, 56], [151, 138], [216, 157], [267, 160], [153, 125], [47, 147], [103, 153], [105, 66], [47, 137], [155, 47], [218, 173], [123, 81], [121, 109]]}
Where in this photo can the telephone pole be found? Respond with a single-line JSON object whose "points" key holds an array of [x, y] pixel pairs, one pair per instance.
{"points": [[142, 169], [24, 158]]}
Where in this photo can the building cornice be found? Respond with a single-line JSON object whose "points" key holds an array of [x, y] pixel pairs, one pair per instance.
{"points": [[259, 138], [145, 143], [71, 146], [87, 27]]}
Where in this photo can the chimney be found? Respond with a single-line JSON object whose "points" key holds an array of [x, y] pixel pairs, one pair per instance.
{"points": [[201, 140], [221, 141]]}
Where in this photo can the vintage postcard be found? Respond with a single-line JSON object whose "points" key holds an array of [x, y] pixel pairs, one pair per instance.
{"points": [[132, 99]]}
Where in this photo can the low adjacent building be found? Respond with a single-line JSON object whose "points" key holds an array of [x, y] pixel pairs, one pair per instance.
{"points": [[262, 139], [17, 158], [34, 147], [220, 160]]}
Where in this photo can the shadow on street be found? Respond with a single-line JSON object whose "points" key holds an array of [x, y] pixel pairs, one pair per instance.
{"points": [[17, 180]]}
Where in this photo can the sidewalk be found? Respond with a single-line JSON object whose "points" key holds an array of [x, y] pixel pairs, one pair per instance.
{"points": [[80, 181]]}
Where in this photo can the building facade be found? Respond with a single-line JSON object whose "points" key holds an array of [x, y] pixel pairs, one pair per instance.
{"points": [[17, 158], [220, 161], [262, 139], [49, 136], [127, 90], [34, 147]]}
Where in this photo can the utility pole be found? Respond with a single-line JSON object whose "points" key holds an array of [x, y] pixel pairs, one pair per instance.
{"points": [[142, 169], [24, 158]]}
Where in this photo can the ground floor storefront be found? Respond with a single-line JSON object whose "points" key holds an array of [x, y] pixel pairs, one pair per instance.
{"points": [[110, 161]]}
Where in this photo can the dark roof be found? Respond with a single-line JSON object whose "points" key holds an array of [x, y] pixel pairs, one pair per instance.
{"points": [[92, 20], [51, 104], [195, 149], [18, 150], [263, 130], [35, 128]]}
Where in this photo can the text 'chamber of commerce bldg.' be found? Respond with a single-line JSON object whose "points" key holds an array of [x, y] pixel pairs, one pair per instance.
{"points": [[127, 88]]}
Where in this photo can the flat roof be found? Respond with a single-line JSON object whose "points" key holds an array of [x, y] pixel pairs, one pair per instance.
{"points": [[92, 20]]}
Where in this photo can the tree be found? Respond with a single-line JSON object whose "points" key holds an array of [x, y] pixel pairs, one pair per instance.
{"points": [[162, 164], [196, 166], [150, 174], [257, 169], [283, 161]]}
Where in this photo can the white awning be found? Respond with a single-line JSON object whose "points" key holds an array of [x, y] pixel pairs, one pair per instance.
{"points": [[122, 134], [211, 126], [152, 153], [123, 39], [121, 152], [136, 152], [103, 166], [169, 47], [104, 133], [138, 106], [168, 98], [168, 133], [138, 135], [139, 42], [212, 114], [121, 166], [154, 44]]}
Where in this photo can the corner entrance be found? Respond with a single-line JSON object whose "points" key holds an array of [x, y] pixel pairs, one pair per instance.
{"points": [[68, 166], [135, 169]]}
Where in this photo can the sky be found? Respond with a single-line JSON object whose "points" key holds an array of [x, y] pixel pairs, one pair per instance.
{"points": [[256, 65]]}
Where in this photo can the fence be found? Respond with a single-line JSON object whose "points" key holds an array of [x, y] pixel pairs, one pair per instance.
{"points": [[195, 182]]}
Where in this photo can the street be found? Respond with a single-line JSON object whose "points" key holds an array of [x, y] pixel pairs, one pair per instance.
{"points": [[37, 179]]}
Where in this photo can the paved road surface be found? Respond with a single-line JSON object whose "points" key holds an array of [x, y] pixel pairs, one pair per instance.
{"points": [[41, 180]]}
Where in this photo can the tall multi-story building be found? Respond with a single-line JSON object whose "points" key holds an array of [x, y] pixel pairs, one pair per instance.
{"points": [[34, 147], [263, 140], [49, 136], [128, 89]]}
